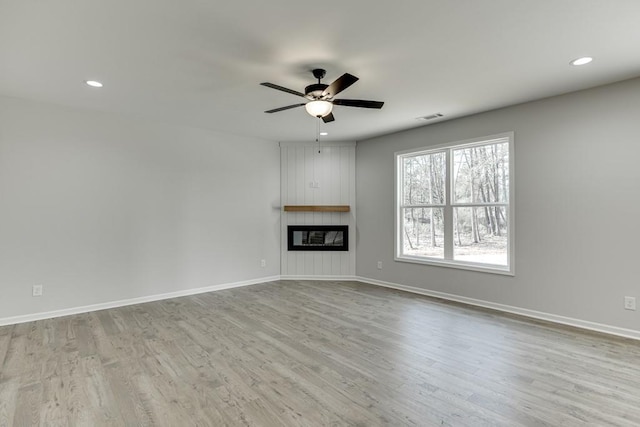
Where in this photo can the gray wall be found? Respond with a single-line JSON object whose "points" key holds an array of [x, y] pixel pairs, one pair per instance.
{"points": [[577, 178], [98, 208]]}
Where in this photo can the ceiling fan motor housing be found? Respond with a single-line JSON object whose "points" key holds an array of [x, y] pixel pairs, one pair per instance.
{"points": [[314, 91], [318, 73]]}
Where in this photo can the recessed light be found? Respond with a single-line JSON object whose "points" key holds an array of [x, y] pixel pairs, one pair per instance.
{"points": [[324, 133], [93, 83], [582, 61]]}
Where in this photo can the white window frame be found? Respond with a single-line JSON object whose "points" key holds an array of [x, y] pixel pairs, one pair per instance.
{"points": [[448, 148]]}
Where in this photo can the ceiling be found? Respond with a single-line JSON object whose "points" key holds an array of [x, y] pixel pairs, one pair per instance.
{"points": [[199, 63]]}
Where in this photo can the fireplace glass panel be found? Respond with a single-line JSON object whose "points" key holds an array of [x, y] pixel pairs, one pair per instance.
{"points": [[318, 238]]}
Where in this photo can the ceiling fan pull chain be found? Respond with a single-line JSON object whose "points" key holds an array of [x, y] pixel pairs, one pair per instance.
{"points": [[318, 133]]}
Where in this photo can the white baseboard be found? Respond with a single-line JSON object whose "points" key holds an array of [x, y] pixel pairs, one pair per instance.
{"points": [[327, 278], [583, 324], [139, 300]]}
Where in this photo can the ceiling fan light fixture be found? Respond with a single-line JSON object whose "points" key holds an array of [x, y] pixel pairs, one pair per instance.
{"points": [[318, 108]]}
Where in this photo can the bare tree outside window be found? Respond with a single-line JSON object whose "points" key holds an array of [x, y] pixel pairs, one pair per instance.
{"points": [[424, 198]]}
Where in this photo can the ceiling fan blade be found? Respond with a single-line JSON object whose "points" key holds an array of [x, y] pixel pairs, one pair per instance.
{"points": [[358, 103], [284, 89], [339, 85], [328, 118], [275, 110]]}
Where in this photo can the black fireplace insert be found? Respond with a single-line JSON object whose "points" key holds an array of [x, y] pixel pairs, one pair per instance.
{"points": [[318, 238]]}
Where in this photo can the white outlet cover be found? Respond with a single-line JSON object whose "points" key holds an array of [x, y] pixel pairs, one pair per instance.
{"points": [[629, 303]]}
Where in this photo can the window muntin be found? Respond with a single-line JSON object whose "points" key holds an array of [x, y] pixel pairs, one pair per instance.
{"points": [[454, 205]]}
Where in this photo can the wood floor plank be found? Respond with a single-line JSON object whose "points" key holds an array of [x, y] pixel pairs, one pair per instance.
{"points": [[28, 405], [8, 401], [311, 353], [100, 399], [54, 400], [121, 377]]}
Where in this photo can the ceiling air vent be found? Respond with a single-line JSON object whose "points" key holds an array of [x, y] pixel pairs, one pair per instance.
{"points": [[430, 117]]}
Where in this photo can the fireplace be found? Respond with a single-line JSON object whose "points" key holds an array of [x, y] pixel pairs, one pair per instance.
{"points": [[318, 237]]}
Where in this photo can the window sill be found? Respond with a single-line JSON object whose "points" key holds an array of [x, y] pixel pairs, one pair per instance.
{"points": [[482, 268]]}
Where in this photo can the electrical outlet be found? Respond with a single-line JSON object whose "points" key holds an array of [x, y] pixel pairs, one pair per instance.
{"points": [[379, 265], [263, 263], [629, 303], [36, 291]]}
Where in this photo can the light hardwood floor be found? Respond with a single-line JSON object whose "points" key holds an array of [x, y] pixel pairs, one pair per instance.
{"points": [[304, 353]]}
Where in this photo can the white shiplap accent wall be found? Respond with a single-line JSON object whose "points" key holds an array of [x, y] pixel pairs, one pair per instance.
{"points": [[334, 168]]}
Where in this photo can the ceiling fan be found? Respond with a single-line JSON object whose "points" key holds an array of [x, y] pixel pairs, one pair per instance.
{"points": [[321, 96]]}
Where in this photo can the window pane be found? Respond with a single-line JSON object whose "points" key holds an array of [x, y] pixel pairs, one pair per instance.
{"points": [[423, 180], [480, 235], [423, 232], [481, 174]]}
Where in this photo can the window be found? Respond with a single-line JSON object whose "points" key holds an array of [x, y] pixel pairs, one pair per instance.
{"points": [[454, 205]]}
